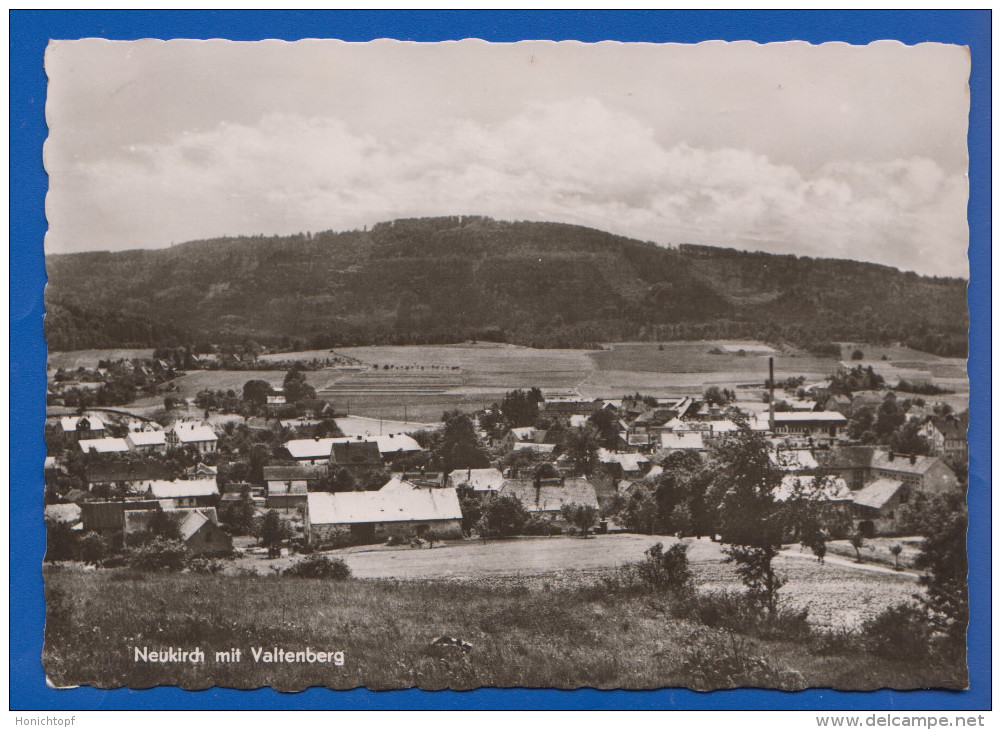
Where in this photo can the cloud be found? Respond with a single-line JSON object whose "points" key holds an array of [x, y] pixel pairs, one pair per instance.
{"points": [[574, 161]]}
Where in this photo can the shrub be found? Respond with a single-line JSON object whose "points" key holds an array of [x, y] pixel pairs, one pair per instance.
{"points": [[115, 561], [205, 566], [722, 662], [93, 548], [62, 541], [743, 613], [441, 534], [395, 540], [666, 570], [536, 525], [160, 556], [319, 566], [899, 632]]}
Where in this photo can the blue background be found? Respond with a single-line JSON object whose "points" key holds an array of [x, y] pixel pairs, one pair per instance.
{"points": [[29, 33]]}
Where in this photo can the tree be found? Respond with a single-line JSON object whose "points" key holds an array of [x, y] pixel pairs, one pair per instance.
{"points": [[743, 487], [858, 354], [908, 440], [460, 447], [581, 448], [239, 518], [895, 550], [521, 408], [607, 426], [502, 516], [716, 396], [889, 416], [581, 516], [943, 558], [164, 525], [255, 393], [273, 531]]}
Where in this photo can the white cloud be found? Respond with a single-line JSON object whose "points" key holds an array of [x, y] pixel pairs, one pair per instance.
{"points": [[574, 161]]}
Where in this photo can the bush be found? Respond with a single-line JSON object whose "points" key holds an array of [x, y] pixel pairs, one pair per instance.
{"points": [[205, 566], [441, 534], [666, 570], [62, 542], [93, 548], [899, 632], [536, 525], [396, 540], [319, 566], [743, 614], [160, 556], [723, 662], [115, 561]]}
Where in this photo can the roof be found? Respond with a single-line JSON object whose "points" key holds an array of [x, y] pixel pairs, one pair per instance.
{"points": [[147, 438], [878, 493], [103, 446], [134, 472], [949, 428], [550, 497], [69, 423], [293, 473], [831, 489], [355, 453], [194, 521], [162, 489], [628, 461], [902, 462], [398, 485], [524, 433], [807, 416], [193, 432], [532, 446], [793, 459], [578, 421], [847, 457], [397, 505], [685, 440], [481, 480], [63, 512], [319, 448]]}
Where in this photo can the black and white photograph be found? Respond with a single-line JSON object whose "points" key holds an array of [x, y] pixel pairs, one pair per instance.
{"points": [[538, 364]]}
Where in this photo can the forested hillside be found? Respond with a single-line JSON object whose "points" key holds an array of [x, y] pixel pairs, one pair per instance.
{"points": [[450, 279]]}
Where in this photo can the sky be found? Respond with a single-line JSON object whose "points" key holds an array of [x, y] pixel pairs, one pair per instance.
{"points": [[833, 150]]}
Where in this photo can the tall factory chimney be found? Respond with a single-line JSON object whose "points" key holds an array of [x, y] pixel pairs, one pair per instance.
{"points": [[771, 394]]}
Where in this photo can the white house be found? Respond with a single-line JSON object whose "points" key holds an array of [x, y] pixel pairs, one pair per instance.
{"points": [[149, 441], [199, 435], [103, 446]]}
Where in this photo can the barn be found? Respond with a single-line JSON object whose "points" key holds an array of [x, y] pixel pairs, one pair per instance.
{"points": [[368, 517]]}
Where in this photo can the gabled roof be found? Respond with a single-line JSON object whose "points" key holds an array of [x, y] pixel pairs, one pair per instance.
{"points": [[793, 459], [189, 433], [103, 446], [315, 448], [147, 438], [903, 462], [398, 485], [397, 505], [294, 473], [480, 480], [524, 433], [134, 472], [162, 489], [878, 493], [355, 453], [550, 497], [682, 440], [532, 446], [194, 521], [69, 423], [808, 416], [628, 461], [949, 428]]}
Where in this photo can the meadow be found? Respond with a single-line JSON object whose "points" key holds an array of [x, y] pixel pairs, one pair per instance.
{"points": [[555, 634]]}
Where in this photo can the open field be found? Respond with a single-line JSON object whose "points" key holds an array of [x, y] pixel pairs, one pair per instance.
{"points": [[89, 358], [567, 634], [837, 595], [472, 376]]}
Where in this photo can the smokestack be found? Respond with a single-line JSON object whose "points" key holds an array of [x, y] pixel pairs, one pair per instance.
{"points": [[771, 394]]}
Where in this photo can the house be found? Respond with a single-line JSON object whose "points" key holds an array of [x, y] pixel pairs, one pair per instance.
{"points": [[813, 489], [199, 435], [547, 497], [947, 437], [479, 480], [124, 477], [625, 465], [200, 470], [354, 455], [69, 514], [317, 450], [199, 528], [925, 474], [109, 517], [682, 441], [797, 461], [878, 506], [812, 424], [148, 441], [201, 533], [103, 446], [289, 485], [368, 517], [567, 405], [534, 447], [182, 492], [850, 462], [310, 451], [82, 427]]}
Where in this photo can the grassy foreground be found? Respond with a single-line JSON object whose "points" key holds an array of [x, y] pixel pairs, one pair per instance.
{"points": [[578, 636]]}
